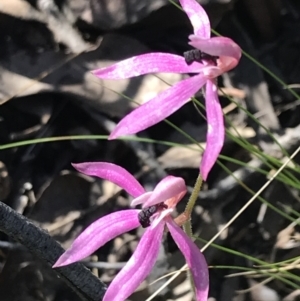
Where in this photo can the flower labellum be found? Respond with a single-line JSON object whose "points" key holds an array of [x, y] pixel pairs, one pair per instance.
{"points": [[212, 57], [155, 215], [197, 55], [146, 213]]}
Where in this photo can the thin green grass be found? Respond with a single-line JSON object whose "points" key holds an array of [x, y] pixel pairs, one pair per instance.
{"points": [[274, 270]]}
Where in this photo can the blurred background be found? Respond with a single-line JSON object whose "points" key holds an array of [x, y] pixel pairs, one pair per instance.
{"points": [[48, 49]]}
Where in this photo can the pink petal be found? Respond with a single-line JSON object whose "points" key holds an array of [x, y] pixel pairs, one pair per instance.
{"points": [[141, 199], [215, 129], [198, 18], [113, 173], [147, 63], [219, 46], [167, 188], [158, 108], [194, 259], [159, 217], [228, 51], [138, 267], [98, 234]]}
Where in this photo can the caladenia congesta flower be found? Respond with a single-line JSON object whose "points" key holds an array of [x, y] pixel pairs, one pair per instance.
{"points": [[212, 57], [157, 206]]}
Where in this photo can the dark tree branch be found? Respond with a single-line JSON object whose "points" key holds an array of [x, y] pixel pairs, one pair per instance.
{"points": [[41, 244]]}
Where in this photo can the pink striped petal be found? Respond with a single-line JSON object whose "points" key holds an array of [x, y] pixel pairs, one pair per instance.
{"points": [[159, 108], [138, 267], [215, 129], [113, 173], [148, 63], [98, 234], [198, 18], [228, 51], [194, 259], [167, 188]]}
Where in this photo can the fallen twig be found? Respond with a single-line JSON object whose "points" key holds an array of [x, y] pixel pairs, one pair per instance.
{"points": [[41, 244]]}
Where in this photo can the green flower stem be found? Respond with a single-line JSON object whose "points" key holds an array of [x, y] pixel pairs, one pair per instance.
{"points": [[193, 198], [187, 226]]}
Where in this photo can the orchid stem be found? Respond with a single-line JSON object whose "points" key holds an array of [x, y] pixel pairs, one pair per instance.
{"points": [[187, 226], [193, 198]]}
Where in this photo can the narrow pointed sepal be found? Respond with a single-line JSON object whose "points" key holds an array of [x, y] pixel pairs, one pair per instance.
{"points": [[138, 267], [99, 233], [194, 259]]}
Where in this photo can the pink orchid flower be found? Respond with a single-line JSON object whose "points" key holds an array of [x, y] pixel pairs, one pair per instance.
{"points": [[155, 214], [213, 57]]}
